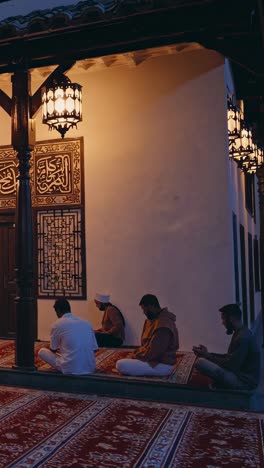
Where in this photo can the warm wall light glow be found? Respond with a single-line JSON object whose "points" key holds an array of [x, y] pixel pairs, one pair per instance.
{"points": [[62, 105]]}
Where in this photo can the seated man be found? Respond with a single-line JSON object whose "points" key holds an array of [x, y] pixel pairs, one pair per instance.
{"points": [[239, 368], [159, 342], [112, 332], [72, 342]]}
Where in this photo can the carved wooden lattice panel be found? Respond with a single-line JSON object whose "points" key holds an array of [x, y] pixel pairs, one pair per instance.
{"points": [[60, 260]]}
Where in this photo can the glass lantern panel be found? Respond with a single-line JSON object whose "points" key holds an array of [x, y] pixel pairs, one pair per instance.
{"points": [[69, 104], [44, 109], [69, 91], [50, 107], [59, 93], [231, 117], [244, 138], [50, 94], [60, 106]]}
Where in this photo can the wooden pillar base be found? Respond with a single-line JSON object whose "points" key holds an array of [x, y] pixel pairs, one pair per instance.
{"points": [[25, 338]]}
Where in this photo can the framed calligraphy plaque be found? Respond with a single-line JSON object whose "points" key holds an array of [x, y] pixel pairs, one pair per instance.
{"points": [[56, 174]]}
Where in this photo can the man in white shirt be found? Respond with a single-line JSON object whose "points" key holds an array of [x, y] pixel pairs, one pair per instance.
{"points": [[72, 342]]}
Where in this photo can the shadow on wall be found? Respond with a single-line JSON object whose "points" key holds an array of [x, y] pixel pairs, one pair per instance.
{"points": [[187, 66]]}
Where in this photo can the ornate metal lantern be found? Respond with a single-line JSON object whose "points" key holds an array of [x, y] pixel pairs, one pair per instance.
{"points": [[233, 121], [246, 140], [234, 150], [255, 161], [62, 105]]}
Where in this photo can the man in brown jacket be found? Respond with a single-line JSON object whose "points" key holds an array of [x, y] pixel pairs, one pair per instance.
{"points": [[159, 342], [112, 331]]}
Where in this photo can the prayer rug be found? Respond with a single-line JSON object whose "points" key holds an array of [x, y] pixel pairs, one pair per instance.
{"points": [[7, 354], [183, 372], [60, 430]]}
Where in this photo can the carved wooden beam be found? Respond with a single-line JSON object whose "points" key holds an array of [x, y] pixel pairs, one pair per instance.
{"points": [[5, 102], [35, 100]]}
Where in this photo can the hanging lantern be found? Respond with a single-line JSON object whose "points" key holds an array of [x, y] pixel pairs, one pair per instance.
{"points": [[242, 149], [62, 105], [256, 161], [248, 162], [246, 140], [233, 121], [260, 156], [234, 150]]}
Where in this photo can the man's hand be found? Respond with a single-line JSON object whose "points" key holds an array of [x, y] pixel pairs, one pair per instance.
{"points": [[200, 351]]}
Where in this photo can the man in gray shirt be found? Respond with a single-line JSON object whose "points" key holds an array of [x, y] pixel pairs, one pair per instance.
{"points": [[239, 368]]}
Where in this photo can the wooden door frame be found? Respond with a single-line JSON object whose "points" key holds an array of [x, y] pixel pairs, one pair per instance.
{"points": [[7, 220], [9, 217]]}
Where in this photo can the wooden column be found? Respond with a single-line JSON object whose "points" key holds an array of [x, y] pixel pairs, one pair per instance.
{"points": [[25, 307], [260, 175]]}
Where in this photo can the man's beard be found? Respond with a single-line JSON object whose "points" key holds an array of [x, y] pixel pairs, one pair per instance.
{"points": [[229, 330], [102, 307], [150, 315]]}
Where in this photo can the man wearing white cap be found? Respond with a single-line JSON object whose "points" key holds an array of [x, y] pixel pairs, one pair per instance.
{"points": [[112, 331]]}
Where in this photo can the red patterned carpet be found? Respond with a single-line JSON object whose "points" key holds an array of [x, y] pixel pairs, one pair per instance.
{"points": [[59, 430], [183, 372]]}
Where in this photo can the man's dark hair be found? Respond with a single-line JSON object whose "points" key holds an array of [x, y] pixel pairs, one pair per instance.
{"points": [[149, 300], [231, 310], [62, 305]]}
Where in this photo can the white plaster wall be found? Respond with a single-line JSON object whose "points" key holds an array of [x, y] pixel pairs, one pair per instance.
{"points": [[157, 193]]}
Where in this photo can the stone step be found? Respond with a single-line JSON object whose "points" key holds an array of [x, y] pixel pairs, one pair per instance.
{"points": [[129, 388]]}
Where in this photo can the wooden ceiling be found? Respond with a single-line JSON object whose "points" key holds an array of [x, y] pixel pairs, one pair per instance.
{"points": [[235, 28]]}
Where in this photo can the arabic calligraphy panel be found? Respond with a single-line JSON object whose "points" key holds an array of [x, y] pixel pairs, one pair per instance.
{"points": [[8, 178], [56, 174]]}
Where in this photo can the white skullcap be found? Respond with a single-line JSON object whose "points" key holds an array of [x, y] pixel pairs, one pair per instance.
{"points": [[104, 298]]}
